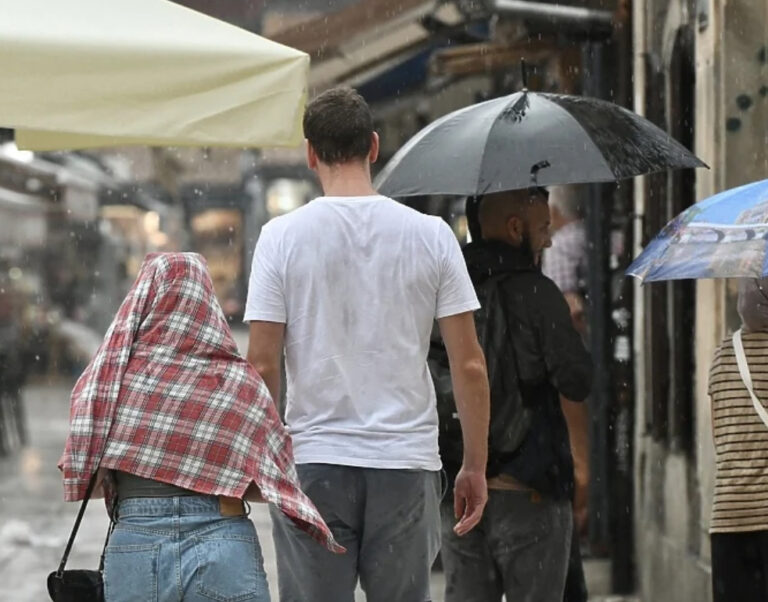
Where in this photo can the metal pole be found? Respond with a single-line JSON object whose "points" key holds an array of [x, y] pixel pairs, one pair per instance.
{"points": [[623, 381], [611, 323], [598, 210], [587, 20]]}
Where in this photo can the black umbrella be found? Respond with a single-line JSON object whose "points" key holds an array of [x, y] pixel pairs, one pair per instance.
{"points": [[530, 139]]}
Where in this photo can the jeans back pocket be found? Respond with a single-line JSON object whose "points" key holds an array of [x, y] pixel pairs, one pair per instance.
{"points": [[130, 573], [230, 568]]}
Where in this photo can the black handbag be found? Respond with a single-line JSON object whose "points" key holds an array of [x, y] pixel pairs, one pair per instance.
{"points": [[79, 585]]}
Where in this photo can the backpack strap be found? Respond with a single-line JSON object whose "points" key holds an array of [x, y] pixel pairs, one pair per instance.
{"points": [[746, 376], [501, 301]]}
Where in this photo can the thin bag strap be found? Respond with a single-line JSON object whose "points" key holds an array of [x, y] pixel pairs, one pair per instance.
{"points": [[746, 376], [76, 527], [78, 520], [106, 542]]}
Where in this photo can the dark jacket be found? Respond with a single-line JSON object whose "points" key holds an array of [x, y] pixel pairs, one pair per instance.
{"points": [[551, 360]]}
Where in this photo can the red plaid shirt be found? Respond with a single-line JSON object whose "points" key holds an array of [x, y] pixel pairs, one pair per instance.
{"points": [[168, 397]]}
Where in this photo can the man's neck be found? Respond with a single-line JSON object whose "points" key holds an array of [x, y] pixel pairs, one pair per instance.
{"points": [[346, 180], [519, 252]]}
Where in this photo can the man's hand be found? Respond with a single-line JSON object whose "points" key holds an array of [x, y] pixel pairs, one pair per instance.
{"points": [[578, 314], [470, 390], [470, 495], [580, 509]]}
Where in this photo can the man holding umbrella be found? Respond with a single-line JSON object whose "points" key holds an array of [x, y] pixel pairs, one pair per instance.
{"points": [[521, 546], [526, 139]]}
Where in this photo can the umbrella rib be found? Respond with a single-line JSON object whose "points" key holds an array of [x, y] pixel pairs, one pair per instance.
{"points": [[550, 98], [510, 106]]}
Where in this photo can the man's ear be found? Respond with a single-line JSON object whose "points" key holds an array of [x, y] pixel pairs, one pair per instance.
{"points": [[312, 159], [373, 154], [515, 229]]}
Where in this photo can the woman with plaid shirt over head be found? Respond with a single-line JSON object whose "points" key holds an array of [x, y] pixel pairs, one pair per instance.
{"points": [[184, 429]]}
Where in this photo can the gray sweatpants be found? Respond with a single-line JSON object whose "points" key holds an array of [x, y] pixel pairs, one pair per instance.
{"points": [[389, 521], [519, 550]]}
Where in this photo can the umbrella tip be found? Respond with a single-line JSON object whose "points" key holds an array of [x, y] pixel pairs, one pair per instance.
{"points": [[535, 173], [524, 74]]}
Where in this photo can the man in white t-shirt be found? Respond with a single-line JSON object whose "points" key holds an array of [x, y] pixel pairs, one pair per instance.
{"points": [[349, 286]]}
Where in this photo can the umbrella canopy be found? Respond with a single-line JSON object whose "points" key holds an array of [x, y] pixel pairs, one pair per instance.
{"points": [[530, 139], [86, 73], [723, 236]]}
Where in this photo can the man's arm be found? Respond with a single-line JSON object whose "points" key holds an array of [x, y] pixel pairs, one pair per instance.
{"points": [[578, 314], [265, 348], [470, 389], [577, 419], [569, 364], [265, 310]]}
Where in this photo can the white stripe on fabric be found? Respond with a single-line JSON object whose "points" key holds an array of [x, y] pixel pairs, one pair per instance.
{"points": [[165, 423], [205, 431], [130, 416], [152, 455], [191, 466]]}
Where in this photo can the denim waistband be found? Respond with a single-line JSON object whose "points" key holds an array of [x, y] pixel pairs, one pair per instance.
{"points": [[170, 506]]}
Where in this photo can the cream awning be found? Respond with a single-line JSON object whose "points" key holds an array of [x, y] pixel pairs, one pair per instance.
{"points": [[90, 73]]}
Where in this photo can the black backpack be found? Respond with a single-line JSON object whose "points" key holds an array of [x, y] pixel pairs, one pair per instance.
{"points": [[510, 418]]}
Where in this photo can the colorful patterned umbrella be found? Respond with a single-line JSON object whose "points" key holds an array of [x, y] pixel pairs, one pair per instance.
{"points": [[724, 236]]}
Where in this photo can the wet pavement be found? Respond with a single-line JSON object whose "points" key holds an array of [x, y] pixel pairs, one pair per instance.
{"points": [[36, 520]]}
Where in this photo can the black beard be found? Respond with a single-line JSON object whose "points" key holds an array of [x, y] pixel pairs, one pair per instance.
{"points": [[526, 248]]}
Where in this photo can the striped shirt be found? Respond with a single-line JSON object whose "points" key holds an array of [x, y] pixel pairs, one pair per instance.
{"points": [[741, 439]]}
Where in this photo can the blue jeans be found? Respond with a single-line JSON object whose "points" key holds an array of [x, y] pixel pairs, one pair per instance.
{"points": [[182, 549]]}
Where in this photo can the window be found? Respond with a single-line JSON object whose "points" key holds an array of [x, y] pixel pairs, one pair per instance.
{"points": [[671, 307], [682, 294]]}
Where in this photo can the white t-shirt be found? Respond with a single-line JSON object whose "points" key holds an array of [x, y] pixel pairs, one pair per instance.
{"points": [[358, 282]]}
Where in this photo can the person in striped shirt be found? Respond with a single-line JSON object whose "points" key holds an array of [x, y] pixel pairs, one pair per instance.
{"points": [[739, 525]]}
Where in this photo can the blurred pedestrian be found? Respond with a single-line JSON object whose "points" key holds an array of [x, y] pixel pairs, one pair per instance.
{"points": [[565, 263], [521, 547], [349, 286], [11, 375], [13, 426], [739, 524], [181, 429]]}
